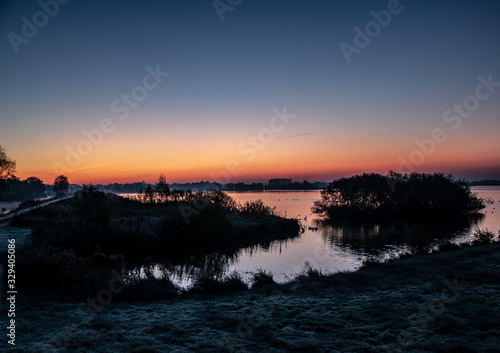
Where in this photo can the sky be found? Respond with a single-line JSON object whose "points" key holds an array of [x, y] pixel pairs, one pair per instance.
{"points": [[231, 90]]}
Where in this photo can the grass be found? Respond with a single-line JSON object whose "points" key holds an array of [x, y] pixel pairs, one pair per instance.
{"points": [[262, 278], [393, 305], [309, 272], [211, 285]]}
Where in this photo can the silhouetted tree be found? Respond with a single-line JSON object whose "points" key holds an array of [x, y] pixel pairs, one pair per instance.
{"points": [[159, 193], [149, 195], [20, 190], [161, 189], [7, 169], [61, 185], [35, 185]]}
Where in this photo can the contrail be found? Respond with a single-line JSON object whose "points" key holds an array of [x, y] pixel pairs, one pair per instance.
{"points": [[486, 121], [285, 137], [105, 164]]}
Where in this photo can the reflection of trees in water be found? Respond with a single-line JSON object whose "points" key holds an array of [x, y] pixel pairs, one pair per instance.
{"points": [[203, 264], [212, 262], [373, 235]]}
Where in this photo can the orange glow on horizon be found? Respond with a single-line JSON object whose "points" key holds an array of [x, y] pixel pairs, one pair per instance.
{"points": [[312, 169], [316, 156]]}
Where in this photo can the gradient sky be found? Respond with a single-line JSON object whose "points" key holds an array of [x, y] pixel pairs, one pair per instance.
{"points": [[226, 78]]}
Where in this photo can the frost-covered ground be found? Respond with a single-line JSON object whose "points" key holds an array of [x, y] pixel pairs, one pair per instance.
{"points": [[447, 302]]}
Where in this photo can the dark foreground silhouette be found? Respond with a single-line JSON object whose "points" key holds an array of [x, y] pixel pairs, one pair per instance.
{"points": [[76, 242]]}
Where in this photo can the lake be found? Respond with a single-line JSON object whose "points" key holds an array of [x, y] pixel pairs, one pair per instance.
{"points": [[329, 247]]}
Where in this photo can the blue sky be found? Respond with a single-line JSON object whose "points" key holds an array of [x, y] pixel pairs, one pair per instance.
{"points": [[226, 77]]}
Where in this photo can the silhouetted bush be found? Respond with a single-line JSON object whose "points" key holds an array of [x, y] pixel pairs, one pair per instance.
{"points": [[91, 208], [258, 208], [222, 199], [417, 244], [484, 236], [210, 225], [415, 195], [211, 285], [234, 282], [309, 272], [148, 287], [262, 278], [93, 221]]}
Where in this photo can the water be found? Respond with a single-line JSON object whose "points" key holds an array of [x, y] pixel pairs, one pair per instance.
{"points": [[331, 248], [342, 247]]}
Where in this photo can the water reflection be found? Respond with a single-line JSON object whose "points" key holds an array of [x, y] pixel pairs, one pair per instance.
{"points": [[345, 243], [182, 267], [349, 240], [374, 236]]}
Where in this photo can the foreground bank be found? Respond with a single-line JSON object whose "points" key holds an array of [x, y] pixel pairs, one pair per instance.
{"points": [[445, 302]]}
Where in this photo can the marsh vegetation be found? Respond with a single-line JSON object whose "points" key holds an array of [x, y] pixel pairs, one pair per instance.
{"points": [[420, 196], [76, 242]]}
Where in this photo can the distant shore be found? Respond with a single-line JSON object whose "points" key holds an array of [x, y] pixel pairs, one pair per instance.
{"points": [[444, 302]]}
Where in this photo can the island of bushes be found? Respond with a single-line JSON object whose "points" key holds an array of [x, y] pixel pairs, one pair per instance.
{"points": [[420, 196]]}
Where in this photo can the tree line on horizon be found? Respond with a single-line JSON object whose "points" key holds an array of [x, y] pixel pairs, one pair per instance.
{"points": [[14, 189], [210, 186]]}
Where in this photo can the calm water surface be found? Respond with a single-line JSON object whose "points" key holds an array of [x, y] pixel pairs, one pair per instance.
{"points": [[341, 247], [330, 247]]}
